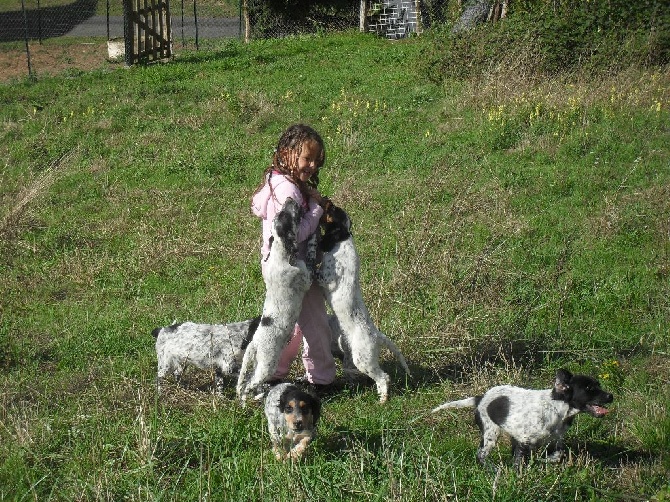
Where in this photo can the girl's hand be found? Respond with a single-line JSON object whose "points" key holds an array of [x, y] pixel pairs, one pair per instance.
{"points": [[318, 198]]}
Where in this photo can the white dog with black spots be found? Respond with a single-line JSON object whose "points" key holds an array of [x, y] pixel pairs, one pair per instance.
{"points": [[356, 335], [287, 279], [534, 418], [214, 347]]}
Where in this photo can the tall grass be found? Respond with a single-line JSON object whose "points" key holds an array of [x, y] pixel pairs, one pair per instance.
{"points": [[507, 227]]}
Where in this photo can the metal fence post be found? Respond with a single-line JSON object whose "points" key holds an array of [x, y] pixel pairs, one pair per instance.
{"points": [[25, 36], [39, 21], [195, 17]]}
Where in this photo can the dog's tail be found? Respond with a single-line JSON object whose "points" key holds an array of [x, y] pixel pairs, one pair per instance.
{"points": [[396, 352], [172, 327], [469, 402]]}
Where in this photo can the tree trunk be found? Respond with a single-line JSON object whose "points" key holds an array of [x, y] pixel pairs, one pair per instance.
{"points": [[247, 21], [480, 11], [362, 16]]}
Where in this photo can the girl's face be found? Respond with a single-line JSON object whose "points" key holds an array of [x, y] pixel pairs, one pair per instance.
{"points": [[308, 160]]}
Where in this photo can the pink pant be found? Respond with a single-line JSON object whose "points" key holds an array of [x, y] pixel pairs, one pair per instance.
{"points": [[316, 355]]}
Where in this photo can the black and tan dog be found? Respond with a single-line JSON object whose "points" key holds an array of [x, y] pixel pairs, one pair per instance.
{"points": [[292, 417]]}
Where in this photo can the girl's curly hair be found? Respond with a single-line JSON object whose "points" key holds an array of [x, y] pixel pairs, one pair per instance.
{"points": [[291, 142]]}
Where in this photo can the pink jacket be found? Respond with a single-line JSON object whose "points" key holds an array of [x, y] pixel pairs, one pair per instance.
{"points": [[267, 203]]}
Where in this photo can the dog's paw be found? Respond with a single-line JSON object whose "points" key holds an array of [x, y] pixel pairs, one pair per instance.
{"points": [[296, 454], [280, 454]]}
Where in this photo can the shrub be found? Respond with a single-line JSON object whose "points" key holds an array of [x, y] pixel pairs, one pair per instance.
{"points": [[550, 37]]}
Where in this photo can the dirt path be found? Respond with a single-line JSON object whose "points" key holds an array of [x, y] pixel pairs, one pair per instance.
{"points": [[52, 59]]}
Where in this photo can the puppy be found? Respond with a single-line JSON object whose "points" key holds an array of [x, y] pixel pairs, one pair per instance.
{"points": [[218, 347], [339, 278], [534, 418], [287, 279], [292, 417]]}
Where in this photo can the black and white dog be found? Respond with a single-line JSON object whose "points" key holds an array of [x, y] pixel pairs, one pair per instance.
{"points": [[292, 416], [218, 347], [287, 279], [339, 278], [534, 418]]}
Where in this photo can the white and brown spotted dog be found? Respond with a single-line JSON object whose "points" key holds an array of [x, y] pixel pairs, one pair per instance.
{"points": [[534, 418], [339, 277], [287, 279], [292, 416], [217, 347]]}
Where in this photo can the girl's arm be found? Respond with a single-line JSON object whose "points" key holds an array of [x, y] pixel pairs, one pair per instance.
{"points": [[322, 201]]}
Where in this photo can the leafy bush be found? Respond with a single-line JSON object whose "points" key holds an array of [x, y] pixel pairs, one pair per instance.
{"points": [[278, 18], [548, 38]]}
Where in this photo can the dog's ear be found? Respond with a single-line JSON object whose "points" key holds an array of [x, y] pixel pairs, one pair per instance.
{"points": [[562, 382], [284, 399], [315, 404], [283, 224], [327, 217]]}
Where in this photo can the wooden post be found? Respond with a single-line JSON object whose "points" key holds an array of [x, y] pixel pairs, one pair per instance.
{"points": [[239, 30], [362, 16], [195, 18], [247, 21], [419, 21], [128, 35]]}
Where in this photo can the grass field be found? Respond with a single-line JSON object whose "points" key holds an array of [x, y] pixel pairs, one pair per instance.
{"points": [[508, 226]]}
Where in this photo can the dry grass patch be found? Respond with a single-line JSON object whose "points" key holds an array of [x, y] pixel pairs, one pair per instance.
{"points": [[35, 188]]}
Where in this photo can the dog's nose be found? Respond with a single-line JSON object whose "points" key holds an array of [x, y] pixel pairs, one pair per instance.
{"points": [[610, 398], [298, 424]]}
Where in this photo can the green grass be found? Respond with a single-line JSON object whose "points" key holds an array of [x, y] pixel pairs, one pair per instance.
{"points": [[507, 227]]}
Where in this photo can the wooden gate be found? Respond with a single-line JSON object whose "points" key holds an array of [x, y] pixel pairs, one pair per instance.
{"points": [[147, 32]]}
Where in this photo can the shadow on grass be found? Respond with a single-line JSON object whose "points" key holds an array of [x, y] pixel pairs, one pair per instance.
{"points": [[45, 22], [233, 53], [459, 367], [612, 455], [346, 439]]}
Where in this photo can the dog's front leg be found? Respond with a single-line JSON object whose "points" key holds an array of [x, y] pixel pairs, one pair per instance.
{"points": [[219, 382], [311, 259], [558, 452], [520, 452], [299, 449], [279, 452], [245, 372]]}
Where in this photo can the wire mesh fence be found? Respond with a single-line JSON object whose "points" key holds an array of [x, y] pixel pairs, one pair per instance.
{"points": [[39, 37]]}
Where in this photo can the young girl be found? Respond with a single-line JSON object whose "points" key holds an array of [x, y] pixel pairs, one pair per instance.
{"points": [[294, 173]]}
